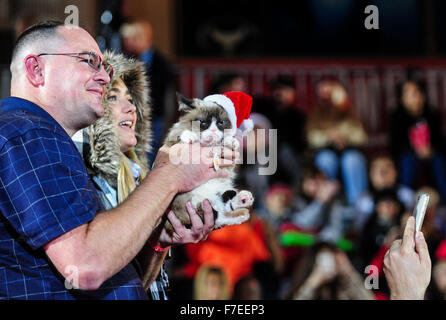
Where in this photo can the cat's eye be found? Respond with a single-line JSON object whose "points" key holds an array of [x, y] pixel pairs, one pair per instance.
{"points": [[204, 124], [223, 124]]}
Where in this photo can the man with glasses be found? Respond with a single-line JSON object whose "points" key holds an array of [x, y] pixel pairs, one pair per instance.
{"points": [[55, 240]]}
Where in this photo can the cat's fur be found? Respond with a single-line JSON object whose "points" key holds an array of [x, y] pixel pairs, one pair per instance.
{"points": [[229, 204]]}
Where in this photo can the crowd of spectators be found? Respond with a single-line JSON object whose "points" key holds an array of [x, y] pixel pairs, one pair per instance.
{"points": [[322, 223]]}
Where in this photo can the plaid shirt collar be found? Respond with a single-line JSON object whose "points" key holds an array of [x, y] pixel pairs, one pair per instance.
{"points": [[14, 103]]}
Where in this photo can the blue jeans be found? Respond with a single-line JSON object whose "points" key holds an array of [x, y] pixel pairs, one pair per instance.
{"points": [[410, 166], [353, 169]]}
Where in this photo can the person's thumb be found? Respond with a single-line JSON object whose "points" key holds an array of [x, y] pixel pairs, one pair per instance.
{"points": [[422, 249]]}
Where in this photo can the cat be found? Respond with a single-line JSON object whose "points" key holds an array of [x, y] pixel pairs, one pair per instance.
{"points": [[229, 205]]}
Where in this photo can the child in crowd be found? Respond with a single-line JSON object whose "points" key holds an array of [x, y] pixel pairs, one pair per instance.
{"points": [[247, 288], [383, 175], [318, 208], [211, 283], [326, 273], [278, 202], [386, 216], [433, 223]]}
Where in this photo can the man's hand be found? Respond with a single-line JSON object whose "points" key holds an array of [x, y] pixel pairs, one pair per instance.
{"points": [[190, 165], [408, 272], [198, 232]]}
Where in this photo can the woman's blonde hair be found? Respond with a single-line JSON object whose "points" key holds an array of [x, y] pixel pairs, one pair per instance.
{"points": [[126, 181]]}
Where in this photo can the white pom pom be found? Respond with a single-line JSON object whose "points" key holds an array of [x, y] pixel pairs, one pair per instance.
{"points": [[246, 126]]}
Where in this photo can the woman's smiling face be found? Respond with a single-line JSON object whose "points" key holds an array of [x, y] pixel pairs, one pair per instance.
{"points": [[124, 114]]}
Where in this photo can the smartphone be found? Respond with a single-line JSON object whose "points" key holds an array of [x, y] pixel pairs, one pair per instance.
{"points": [[420, 210]]}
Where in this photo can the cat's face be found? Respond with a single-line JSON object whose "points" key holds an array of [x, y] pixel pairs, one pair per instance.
{"points": [[211, 120]]}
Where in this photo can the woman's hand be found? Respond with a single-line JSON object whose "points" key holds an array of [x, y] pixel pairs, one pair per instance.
{"points": [[343, 264], [324, 269]]}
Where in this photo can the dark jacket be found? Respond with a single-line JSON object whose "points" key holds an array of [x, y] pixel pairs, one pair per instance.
{"points": [[401, 122]]}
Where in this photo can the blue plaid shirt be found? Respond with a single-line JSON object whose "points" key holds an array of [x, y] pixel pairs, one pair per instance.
{"points": [[45, 191]]}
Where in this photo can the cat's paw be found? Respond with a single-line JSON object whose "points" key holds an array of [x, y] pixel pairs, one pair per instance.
{"points": [[189, 137], [243, 199], [231, 143], [232, 218]]}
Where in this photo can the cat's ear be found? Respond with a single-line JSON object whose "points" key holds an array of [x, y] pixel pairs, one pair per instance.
{"points": [[185, 104]]}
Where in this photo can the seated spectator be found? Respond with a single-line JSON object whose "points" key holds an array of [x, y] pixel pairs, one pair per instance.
{"points": [[433, 220], [247, 288], [416, 139], [336, 134], [325, 273], [227, 81], [281, 108], [383, 175], [317, 208], [211, 283], [278, 201], [236, 249], [250, 171], [386, 217], [269, 235], [437, 287]]}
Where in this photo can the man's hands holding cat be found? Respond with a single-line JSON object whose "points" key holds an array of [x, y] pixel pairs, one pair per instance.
{"points": [[198, 231], [191, 165]]}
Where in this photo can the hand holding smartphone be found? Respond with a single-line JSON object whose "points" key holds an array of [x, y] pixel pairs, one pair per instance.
{"points": [[420, 210]]}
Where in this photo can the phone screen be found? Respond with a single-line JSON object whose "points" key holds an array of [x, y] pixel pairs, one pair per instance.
{"points": [[420, 210]]}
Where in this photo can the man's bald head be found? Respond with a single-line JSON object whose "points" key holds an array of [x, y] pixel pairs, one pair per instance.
{"points": [[40, 36], [50, 67]]}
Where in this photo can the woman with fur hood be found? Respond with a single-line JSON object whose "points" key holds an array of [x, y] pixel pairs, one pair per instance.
{"points": [[115, 149]]}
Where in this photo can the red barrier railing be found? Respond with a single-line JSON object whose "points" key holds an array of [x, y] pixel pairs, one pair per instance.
{"points": [[370, 83]]}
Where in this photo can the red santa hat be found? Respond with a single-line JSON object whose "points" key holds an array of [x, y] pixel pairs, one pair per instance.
{"points": [[238, 106]]}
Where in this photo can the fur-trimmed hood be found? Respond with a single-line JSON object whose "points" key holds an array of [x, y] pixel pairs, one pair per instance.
{"points": [[104, 154]]}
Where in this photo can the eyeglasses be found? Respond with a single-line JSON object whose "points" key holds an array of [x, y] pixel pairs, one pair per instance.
{"points": [[93, 60]]}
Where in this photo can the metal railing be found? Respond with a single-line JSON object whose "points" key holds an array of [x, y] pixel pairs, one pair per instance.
{"points": [[371, 84]]}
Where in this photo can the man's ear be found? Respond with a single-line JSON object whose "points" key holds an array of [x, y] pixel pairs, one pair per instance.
{"points": [[34, 70], [185, 104]]}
